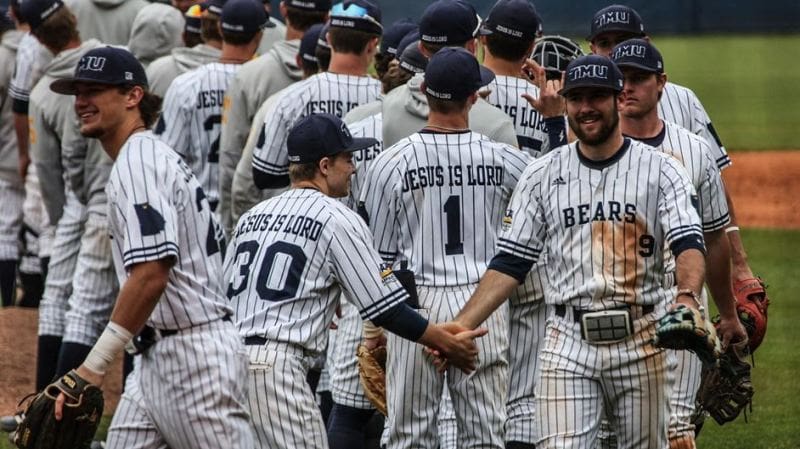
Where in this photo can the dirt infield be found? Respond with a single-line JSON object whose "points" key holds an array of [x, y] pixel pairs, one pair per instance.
{"points": [[765, 187]]}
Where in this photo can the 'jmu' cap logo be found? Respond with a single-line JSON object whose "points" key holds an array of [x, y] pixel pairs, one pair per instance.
{"points": [[92, 63], [632, 51], [595, 71], [613, 17]]}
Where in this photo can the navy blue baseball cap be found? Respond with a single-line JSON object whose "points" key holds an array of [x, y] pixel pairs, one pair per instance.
{"points": [[35, 12], [448, 22], [408, 39], [640, 54], [244, 16], [454, 74], [619, 18], [412, 60], [193, 18], [308, 44], [516, 19], [323, 37], [393, 34], [360, 15], [320, 135], [592, 71], [214, 6], [310, 5], [104, 65]]}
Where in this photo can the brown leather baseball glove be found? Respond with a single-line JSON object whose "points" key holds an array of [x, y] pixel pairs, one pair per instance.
{"points": [[726, 389], [372, 373]]}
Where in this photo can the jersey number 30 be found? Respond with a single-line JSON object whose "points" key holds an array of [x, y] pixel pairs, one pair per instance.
{"points": [[282, 265]]}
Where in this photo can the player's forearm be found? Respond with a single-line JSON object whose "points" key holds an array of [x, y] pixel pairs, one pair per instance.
{"points": [[718, 276], [21, 129], [139, 295], [738, 254], [493, 290], [690, 272]]}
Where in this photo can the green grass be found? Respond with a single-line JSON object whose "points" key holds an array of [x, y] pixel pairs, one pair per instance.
{"points": [[748, 85], [776, 405]]}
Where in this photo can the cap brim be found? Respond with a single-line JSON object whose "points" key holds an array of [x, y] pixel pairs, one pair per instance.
{"points": [[359, 143], [487, 76], [617, 30], [635, 65], [566, 90], [68, 86]]}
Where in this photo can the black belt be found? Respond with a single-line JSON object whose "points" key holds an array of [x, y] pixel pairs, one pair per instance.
{"points": [[169, 332], [255, 340], [561, 310]]}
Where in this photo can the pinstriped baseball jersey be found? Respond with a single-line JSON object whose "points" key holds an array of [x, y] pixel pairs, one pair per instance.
{"points": [[324, 92], [602, 224], [506, 95], [31, 59], [157, 209], [191, 121], [290, 258], [371, 126], [681, 106], [440, 197]]}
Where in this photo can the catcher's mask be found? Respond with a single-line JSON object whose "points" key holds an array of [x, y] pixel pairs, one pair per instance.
{"points": [[554, 53]]}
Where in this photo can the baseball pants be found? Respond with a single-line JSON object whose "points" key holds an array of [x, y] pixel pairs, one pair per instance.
{"points": [[283, 409], [414, 387], [12, 196], [343, 367], [34, 225], [629, 380], [187, 391]]}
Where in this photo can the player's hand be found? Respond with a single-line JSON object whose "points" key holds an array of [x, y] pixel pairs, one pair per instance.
{"points": [[88, 375], [372, 343], [731, 331], [549, 103], [24, 162], [460, 349]]}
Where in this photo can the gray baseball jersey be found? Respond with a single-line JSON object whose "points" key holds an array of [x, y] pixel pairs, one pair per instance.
{"points": [[324, 92], [505, 93], [405, 111], [9, 159], [364, 111], [272, 36], [162, 71], [254, 83], [109, 21], [157, 210], [191, 120], [681, 106]]}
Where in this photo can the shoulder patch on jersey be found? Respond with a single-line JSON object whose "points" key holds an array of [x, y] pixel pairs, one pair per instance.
{"points": [[151, 222]]}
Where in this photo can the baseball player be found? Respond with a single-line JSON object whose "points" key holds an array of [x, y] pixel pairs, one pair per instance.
{"points": [[187, 389], [244, 193], [444, 23], [165, 69], [605, 243], [256, 81], [272, 34], [434, 202], [109, 21], [643, 69], [354, 33], [304, 247], [156, 31], [80, 285], [192, 114], [678, 104]]}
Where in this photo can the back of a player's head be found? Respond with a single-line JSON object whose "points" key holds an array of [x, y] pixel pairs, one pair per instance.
{"points": [[323, 50], [302, 14], [193, 28], [307, 54], [452, 78], [390, 40], [510, 29], [209, 22], [353, 25], [409, 62], [242, 21], [51, 22], [447, 23]]}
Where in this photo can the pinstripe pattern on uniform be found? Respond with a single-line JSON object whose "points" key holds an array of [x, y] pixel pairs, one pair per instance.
{"points": [[12, 197], [580, 381], [157, 209], [336, 249], [505, 93], [66, 244], [95, 285], [187, 391], [526, 333], [407, 214], [191, 120], [283, 409], [324, 92], [36, 228], [27, 64], [601, 225], [414, 387], [681, 106], [371, 126]]}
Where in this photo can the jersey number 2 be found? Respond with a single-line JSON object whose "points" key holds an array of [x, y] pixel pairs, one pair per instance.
{"points": [[281, 270], [452, 212]]}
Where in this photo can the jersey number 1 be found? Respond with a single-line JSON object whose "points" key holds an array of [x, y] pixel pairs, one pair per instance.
{"points": [[452, 212]]}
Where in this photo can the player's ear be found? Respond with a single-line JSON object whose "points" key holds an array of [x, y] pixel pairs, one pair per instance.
{"points": [[324, 166], [472, 46], [134, 96]]}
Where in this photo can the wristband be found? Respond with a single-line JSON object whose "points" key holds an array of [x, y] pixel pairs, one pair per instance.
{"points": [[110, 343], [694, 296], [730, 229]]}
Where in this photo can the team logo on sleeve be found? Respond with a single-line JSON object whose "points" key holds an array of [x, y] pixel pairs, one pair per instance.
{"points": [[507, 219], [386, 272], [151, 222]]}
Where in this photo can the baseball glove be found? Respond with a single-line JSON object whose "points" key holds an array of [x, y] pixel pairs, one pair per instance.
{"points": [[751, 306], [726, 390], [80, 418], [686, 328], [372, 373]]}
